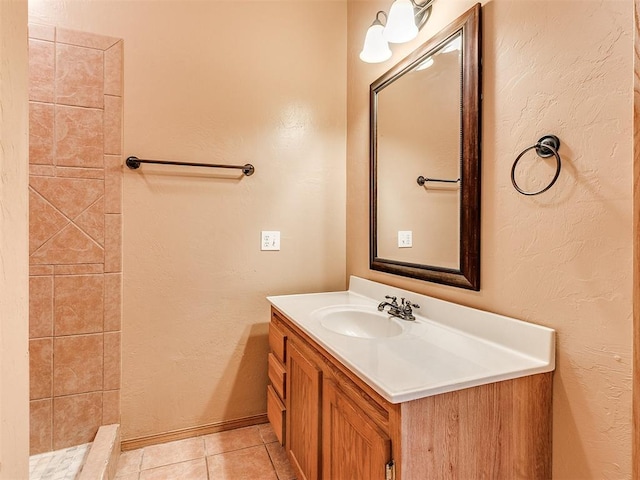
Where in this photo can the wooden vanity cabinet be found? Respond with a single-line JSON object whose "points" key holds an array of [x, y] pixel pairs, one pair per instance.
{"points": [[303, 407], [276, 391], [339, 428], [353, 447]]}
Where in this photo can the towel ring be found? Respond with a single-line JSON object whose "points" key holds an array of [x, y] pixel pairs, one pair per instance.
{"points": [[546, 147]]}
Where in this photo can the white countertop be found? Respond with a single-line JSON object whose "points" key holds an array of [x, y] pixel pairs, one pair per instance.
{"points": [[448, 347]]}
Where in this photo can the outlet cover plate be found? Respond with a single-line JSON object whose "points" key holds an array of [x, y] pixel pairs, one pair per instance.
{"points": [[270, 240], [405, 239]]}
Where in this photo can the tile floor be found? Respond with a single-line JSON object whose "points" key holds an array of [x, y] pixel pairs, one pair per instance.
{"points": [[59, 465], [250, 453]]}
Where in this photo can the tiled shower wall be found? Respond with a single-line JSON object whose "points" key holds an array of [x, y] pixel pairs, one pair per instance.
{"points": [[75, 209]]}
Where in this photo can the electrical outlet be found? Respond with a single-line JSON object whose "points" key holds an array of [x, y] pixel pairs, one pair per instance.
{"points": [[270, 240], [405, 239]]}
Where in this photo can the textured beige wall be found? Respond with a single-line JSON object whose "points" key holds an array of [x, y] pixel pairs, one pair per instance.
{"points": [[14, 240], [220, 82], [562, 259]]}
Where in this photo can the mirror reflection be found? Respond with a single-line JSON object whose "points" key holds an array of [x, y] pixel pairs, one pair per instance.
{"points": [[425, 160], [419, 137]]}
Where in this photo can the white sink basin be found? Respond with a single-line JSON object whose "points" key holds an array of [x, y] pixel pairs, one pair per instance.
{"points": [[358, 321]]}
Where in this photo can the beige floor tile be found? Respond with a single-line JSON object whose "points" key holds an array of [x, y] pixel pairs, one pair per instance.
{"points": [[191, 470], [248, 464], [129, 462], [128, 476], [232, 440], [280, 461], [267, 433], [172, 452]]}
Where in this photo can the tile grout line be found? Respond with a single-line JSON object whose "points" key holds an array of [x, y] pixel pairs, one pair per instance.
{"points": [[206, 464], [273, 465]]}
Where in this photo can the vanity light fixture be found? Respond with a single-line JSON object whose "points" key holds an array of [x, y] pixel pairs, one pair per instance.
{"points": [[405, 19], [376, 49]]}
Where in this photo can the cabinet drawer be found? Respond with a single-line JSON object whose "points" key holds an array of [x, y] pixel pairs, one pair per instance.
{"points": [[277, 376], [276, 413], [277, 342]]}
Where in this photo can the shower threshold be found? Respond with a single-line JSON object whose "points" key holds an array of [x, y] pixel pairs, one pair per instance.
{"points": [[90, 461]]}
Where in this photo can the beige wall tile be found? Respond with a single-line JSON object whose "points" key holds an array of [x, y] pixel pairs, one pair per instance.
{"points": [[112, 301], [113, 243], [84, 39], [76, 419], [79, 172], [68, 183], [91, 221], [41, 417], [80, 269], [42, 170], [40, 368], [40, 306], [69, 246], [44, 221], [79, 137], [69, 195], [113, 184], [113, 70], [78, 365], [39, 270], [79, 76], [42, 32], [79, 305], [111, 361], [41, 133], [112, 125], [41, 71], [110, 407]]}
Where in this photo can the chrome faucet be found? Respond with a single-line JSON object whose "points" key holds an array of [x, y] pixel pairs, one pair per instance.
{"points": [[393, 306], [403, 311]]}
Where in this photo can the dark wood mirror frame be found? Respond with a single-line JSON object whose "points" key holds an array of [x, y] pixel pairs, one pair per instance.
{"points": [[468, 276]]}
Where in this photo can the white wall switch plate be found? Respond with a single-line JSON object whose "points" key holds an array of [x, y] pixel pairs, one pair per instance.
{"points": [[270, 240], [405, 239]]}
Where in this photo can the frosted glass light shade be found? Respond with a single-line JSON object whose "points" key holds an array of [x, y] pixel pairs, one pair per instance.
{"points": [[401, 26], [375, 49]]}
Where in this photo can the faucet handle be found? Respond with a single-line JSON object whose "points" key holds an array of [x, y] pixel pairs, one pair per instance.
{"points": [[393, 299], [407, 305]]}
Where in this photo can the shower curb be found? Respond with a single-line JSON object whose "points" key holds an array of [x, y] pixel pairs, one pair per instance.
{"points": [[102, 460]]}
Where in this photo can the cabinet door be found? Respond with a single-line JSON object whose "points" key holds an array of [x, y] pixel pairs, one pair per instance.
{"points": [[303, 414], [353, 447]]}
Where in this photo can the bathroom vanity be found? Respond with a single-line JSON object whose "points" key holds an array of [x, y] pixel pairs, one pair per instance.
{"points": [[456, 393]]}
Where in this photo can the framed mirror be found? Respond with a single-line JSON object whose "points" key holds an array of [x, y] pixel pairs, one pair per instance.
{"points": [[425, 160]]}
